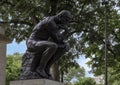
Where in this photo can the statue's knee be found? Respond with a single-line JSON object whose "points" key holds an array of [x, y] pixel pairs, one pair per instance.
{"points": [[54, 46]]}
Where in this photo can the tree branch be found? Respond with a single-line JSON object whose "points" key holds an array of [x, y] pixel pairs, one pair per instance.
{"points": [[35, 20], [71, 33], [6, 2], [109, 49], [16, 22], [82, 8], [53, 7]]}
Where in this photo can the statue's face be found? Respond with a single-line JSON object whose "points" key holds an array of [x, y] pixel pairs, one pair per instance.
{"points": [[64, 17]]}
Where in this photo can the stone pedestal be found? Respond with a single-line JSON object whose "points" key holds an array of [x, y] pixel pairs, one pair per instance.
{"points": [[35, 82], [3, 41]]}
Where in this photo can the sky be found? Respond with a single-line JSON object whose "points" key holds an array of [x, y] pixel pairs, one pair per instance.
{"points": [[21, 48], [82, 62], [15, 47]]}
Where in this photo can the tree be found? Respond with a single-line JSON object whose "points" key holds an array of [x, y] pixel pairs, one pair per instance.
{"points": [[85, 81], [113, 75], [95, 49], [86, 29], [13, 67], [73, 73], [21, 16]]}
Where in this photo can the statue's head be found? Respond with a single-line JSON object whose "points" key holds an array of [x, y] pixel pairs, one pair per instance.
{"points": [[64, 17]]}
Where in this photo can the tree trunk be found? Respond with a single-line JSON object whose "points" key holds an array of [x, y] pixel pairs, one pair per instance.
{"points": [[55, 72], [53, 8], [61, 77]]}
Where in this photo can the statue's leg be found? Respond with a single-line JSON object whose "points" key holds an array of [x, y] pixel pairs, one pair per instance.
{"points": [[46, 56], [36, 60], [58, 54], [43, 50], [37, 52], [62, 48]]}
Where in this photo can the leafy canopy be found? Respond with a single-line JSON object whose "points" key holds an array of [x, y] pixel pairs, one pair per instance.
{"points": [[86, 29]]}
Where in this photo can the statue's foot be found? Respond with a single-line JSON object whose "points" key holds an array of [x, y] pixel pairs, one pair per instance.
{"points": [[42, 73], [47, 70], [50, 77]]}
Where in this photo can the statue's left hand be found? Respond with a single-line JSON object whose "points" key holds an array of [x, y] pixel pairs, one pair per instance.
{"points": [[64, 46], [67, 46]]}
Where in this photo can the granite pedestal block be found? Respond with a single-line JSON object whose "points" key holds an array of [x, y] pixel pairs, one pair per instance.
{"points": [[4, 40], [35, 82]]}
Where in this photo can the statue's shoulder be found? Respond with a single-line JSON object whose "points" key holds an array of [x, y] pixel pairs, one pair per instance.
{"points": [[48, 22]]}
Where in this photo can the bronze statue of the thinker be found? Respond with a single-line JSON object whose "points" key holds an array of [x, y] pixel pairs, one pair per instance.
{"points": [[45, 46]]}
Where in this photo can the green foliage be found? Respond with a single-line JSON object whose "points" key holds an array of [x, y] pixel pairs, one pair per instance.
{"points": [[86, 29], [85, 81], [13, 67], [73, 73], [113, 75]]}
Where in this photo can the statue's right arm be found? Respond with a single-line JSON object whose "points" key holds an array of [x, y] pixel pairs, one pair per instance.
{"points": [[52, 30]]}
